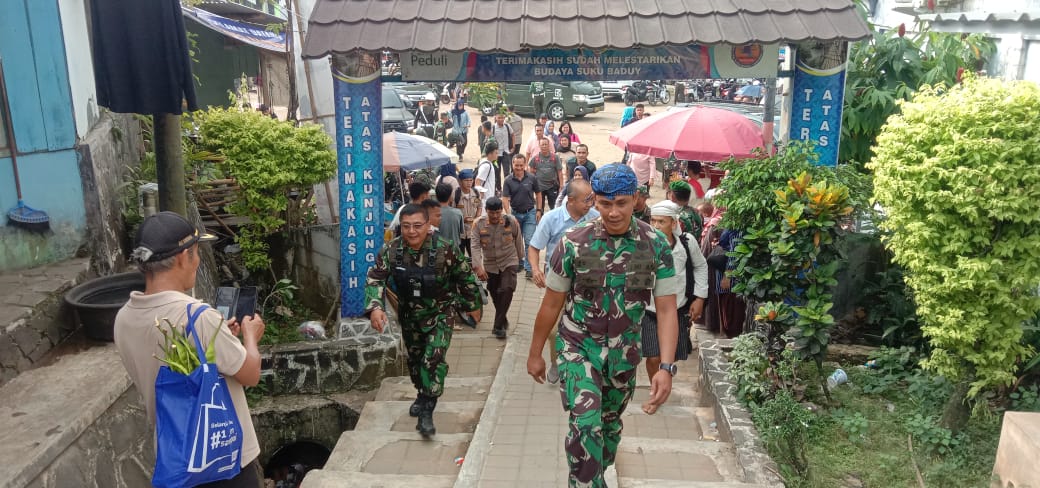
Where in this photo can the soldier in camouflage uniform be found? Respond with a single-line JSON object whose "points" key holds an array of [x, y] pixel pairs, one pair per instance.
{"points": [[679, 192], [641, 210], [429, 276], [603, 275], [426, 176]]}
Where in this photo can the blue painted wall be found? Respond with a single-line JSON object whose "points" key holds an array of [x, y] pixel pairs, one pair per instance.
{"points": [[35, 68]]}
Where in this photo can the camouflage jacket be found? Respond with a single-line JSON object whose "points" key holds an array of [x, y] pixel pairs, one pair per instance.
{"points": [[610, 280], [644, 215], [454, 284], [692, 222]]}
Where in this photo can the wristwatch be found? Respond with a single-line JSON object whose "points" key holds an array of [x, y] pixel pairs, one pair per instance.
{"points": [[671, 368]]}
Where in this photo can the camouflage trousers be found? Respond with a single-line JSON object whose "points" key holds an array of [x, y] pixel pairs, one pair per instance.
{"points": [[427, 356], [597, 379]]}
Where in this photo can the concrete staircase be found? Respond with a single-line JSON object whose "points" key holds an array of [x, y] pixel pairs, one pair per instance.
{"points": [[679, 446], [508, 431], [384, 450]]}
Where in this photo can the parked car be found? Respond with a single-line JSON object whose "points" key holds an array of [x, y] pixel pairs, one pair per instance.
{"points": [[615, 88], [396, 117], [411, 93], [562, 100]]}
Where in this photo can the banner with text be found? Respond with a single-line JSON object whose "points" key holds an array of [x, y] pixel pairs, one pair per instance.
{"points": [[818, 94], [359, 143], [659, 63]]}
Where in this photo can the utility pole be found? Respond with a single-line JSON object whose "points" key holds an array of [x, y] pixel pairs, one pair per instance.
{"points": [[294, 104], [768, 114], [169, 162]]}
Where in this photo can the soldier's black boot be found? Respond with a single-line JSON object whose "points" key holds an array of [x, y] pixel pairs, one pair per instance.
{"points": [[416, 407], [425, 424]]}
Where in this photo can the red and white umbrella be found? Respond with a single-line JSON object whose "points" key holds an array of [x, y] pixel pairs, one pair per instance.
{"points": [[696, 133]]}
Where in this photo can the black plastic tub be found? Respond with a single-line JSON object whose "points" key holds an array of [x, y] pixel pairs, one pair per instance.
{"points": [[95, 303]]}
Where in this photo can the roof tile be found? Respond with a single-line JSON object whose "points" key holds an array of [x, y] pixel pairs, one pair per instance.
{"points": [[520, 25]]}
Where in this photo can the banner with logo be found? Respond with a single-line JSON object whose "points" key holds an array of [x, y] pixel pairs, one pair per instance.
{"points": [[359, 144], [659, 63], [248, 33], [818, 93]]}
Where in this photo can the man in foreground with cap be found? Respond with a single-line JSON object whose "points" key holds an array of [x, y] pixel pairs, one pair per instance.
{"points": [[604, 274], [429, 276], [497, 251], [691, 274], [167, 253]]}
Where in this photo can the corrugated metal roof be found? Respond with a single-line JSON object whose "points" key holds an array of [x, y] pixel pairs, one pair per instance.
{"points": [[520, 25], [977, 16]]}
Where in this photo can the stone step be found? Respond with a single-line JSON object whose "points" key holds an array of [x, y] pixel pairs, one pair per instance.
{"points": [[337, 479], [669, 422], [686, 394], [456, 389], [624, 482], [449, 417], [474, 354], [677, 459], [397, 453]]}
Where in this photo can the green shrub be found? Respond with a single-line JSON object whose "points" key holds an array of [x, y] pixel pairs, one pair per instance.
{"points": [[748, 365], [788, 429], [958, 174], [275, 164]]}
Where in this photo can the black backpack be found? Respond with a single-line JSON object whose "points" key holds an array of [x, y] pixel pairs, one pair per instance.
{"points": [[690, 281]]}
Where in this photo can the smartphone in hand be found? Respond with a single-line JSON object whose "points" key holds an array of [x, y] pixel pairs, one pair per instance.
{"points": [[246, 303]]}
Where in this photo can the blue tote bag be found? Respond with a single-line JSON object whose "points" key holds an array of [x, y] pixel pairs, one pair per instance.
{"points": [[199, 439]]}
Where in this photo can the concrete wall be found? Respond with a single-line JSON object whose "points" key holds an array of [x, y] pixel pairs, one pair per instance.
{"points": [[324, 367], [112, 147], [733, 420], [116, 451], [310, 257], [282, 421]]}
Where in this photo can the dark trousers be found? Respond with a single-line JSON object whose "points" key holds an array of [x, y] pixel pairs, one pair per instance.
{"points": [[251, 476], [503, 161], [539, 104], [549, 196], [464, 246], [501, 287]]}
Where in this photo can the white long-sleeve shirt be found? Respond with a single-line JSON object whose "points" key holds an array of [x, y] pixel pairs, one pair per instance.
{"points": [[700, 271]]}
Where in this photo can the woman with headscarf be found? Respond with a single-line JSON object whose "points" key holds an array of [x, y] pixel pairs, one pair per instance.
{"points": [[460, 126], [627, 115], [579, 173], [564, 150], [550, 133]]}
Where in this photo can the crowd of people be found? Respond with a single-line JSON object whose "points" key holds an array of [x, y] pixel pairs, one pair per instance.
{"points": [[625, 279], [642, 274]]}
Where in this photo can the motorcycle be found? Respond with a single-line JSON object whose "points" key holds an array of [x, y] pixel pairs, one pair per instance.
{"points": [[445, 95], [646, 91], [657, 92], [636, 92]]}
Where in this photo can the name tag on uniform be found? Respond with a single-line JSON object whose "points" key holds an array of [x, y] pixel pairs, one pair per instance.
{"points": [[417, 293]]}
